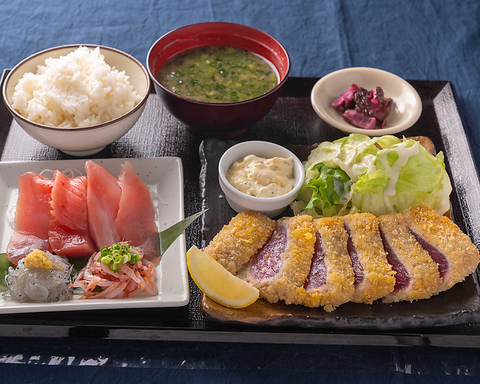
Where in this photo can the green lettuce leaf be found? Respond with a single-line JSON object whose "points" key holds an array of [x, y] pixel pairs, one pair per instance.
{"points": [[380, 175], [329, 190], [407, 175]]}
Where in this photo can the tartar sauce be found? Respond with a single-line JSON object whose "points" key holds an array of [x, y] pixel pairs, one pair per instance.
{"points": [[257, 176]]}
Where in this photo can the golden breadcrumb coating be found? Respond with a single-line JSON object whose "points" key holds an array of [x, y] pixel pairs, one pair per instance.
{"points": [[240, 239], [339, 287], [442, 233], [423, 271], [240, 243], [379, 278], [288, 284]]}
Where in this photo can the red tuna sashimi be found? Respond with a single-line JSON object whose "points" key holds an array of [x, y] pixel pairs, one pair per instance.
{"points": [[136, 215], [103, 200], [31, 216], [69, 233]]}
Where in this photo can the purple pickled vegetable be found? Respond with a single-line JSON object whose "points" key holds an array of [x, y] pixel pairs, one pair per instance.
{"points": [[359, 119], [381, 106], [346, 101], [339, 103], [363, 108], [363, 103]]}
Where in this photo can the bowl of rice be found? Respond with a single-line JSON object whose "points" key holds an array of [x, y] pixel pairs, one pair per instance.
{"points": [[77, 98]]}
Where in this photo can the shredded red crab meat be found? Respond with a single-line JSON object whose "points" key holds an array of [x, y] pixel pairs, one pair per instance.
{"points": [[130, 279]]}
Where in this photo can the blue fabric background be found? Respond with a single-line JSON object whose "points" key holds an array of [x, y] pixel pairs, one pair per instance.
{"points": [[417, 40]]}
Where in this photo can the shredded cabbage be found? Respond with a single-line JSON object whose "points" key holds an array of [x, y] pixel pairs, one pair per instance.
{"points": [[379, 175]]}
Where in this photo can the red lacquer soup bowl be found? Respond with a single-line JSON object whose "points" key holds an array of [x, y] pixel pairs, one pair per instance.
{"points": [[222, 120]]}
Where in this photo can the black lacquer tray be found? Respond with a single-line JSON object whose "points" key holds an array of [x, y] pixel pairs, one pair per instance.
{"points": [[459, 305], [292, 121]]}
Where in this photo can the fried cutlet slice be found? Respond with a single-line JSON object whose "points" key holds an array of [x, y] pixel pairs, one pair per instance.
{"points": [[280, 268], [456, 256], [240, 239], [330, 280], [374, 276], [416, 273]]}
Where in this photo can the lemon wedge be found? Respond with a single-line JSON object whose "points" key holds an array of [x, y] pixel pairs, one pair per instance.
{"points": [[217, 283]]}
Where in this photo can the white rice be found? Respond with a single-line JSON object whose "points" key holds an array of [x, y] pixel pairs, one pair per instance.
{"points": [[76, 90]]}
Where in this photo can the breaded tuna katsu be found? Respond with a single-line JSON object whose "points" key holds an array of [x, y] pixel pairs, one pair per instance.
{"points": [[416, 273], [330, 281], [238, 241], [280, 268], [374, 277], [456, 256], [359, 258]]}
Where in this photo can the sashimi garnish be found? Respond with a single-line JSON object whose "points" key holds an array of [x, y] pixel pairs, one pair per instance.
{"points": [[117, 272], [39, 277], [68, 172]]}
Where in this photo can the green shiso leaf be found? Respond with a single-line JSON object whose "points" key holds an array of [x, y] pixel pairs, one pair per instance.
{"points": [[4, 264], [169, 235]]}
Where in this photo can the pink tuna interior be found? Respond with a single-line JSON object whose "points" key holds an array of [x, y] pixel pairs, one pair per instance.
{"points": [[357, 266], [402, 278], [434, 253], [268, 261], [317, 276]]}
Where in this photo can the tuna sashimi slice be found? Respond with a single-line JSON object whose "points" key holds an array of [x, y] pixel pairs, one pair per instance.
{"points": [[68, 232], [103, 200], [135, 220], [31, 216]]}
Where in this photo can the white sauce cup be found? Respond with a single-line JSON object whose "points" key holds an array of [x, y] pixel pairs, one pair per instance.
{"points": [[239, 201]]}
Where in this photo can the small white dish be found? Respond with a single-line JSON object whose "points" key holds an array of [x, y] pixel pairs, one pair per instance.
{"points": [[239, 201], [89, 140], [406, 109], [164, 177]]}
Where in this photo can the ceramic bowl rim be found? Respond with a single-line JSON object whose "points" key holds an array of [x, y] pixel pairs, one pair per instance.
{"points": [[219, 105]]}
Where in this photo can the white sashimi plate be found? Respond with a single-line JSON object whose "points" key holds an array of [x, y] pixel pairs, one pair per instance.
{"points": [[164, 177]]}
